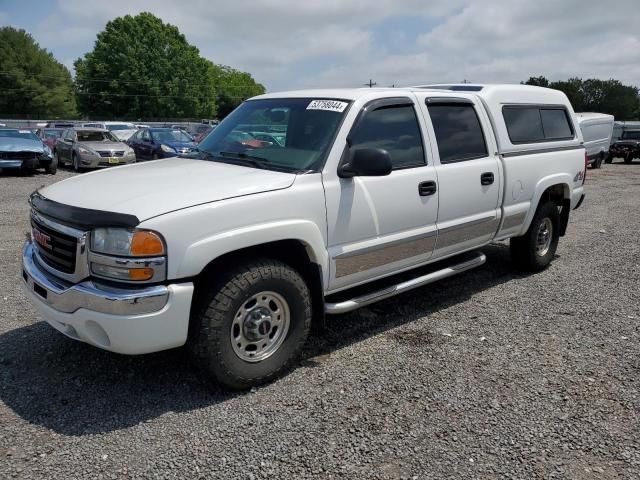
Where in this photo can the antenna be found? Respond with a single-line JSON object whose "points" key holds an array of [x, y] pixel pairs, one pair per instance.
{"points": [[371, 84]]}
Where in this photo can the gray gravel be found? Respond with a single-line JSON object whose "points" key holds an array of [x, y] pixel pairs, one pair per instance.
{"points": [[487, 375]]}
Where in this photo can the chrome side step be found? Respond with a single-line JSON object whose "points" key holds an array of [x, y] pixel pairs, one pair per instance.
{"points": [[361, 301]]}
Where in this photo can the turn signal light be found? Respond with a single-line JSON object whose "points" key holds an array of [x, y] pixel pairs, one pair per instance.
{"points": [[140, 274], [145, 244]]}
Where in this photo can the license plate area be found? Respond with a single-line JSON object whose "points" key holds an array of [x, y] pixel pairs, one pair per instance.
{"points": [[113, 160]]}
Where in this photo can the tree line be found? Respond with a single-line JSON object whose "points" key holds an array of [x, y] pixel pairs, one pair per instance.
{"points": [[594, 95], [139, 68]]}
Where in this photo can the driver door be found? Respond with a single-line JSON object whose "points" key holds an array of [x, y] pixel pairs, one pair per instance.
{"points": [[378, 226]]}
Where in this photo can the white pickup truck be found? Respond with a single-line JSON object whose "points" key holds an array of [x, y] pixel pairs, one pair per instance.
{"points": [[300, 204]]}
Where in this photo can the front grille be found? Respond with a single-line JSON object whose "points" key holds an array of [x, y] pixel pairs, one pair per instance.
{"points": [[115, 153], [18, 155], [56, 249]]}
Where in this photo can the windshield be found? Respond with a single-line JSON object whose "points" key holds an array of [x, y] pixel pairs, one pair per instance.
{"points": [[290, 134], [123, 126], [96, 136], [634, 135], [170, 136], [52, 133], [19, 134]]}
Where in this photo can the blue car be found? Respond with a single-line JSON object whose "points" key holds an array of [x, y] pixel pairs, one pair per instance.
{"points": [[154, 143], [23, 149]]}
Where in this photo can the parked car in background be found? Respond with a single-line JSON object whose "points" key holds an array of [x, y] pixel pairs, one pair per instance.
{"points": [[596, 131], [92, 148], [154, 143], [122, 130], [60, 124], [50, 136], [201, 132], [277, 139], [23, 149], [626, 147]]}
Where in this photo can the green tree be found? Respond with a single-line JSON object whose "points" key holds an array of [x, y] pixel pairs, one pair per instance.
{"points": [[32, 82], [540, 81], [572, 88], [141, 67], [233, 87]]}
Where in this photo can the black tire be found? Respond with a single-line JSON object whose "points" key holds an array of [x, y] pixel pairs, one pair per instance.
{"points": [[154, 156], [52, 167], [609, 159], [76, 163], [628, 158], [217, 313], [597, 163], [524, 252]]}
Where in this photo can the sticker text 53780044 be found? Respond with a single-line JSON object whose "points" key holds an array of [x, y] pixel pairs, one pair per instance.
{"points": [[330, 105]]}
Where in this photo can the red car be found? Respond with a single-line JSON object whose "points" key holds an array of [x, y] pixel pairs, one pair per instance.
{"points": [[49, 136]]}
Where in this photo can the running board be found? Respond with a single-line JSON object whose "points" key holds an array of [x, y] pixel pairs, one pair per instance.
{"points": [[361, 301]]}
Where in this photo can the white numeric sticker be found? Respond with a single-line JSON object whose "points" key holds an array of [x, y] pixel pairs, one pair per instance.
{"points": [[329, 105]]}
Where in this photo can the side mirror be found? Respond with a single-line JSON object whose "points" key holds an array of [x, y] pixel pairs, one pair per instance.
{"points": [[366, 162]]}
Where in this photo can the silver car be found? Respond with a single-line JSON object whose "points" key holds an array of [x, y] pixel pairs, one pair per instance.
{"points": [[92, 148]]}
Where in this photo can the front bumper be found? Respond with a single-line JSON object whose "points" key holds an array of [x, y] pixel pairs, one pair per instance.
{"points": [[27, 163], [93, 161], [129, 321]]}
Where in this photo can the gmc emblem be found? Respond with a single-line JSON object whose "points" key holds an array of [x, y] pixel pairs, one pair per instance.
{"points": [[42, 239]]}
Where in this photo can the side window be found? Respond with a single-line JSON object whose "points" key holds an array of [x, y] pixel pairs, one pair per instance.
{"points": [[555, 123], [394, 129], [70, 135], [523, 124], [531, 124], [458, 132], [146, 137]]}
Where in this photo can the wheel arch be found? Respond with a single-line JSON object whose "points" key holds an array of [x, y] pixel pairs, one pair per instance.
{"points": [[557, 190]]}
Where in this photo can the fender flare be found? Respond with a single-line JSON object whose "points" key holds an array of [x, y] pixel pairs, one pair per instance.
{"points": [[542, 186]]}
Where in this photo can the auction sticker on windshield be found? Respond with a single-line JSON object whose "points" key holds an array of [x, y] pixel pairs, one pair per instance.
{"points": [[330, 105]]}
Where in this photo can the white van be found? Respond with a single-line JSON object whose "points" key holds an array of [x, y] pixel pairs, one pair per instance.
{"points": [[596, 130]]}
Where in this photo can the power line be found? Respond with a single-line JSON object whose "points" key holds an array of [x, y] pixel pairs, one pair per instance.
{"points": [[371, 84]]}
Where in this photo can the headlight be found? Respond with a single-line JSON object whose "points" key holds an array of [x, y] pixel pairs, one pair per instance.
{"points": [[86, 151], [129, 151], [126, 243], [47, 151], [167, 148], [112, 249]]}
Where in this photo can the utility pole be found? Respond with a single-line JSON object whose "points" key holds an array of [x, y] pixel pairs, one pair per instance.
{"points": [[371, 84]]}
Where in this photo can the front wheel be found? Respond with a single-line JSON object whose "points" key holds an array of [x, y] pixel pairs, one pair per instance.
{"points": [[608, 159], [535, 250], [250, 326], [628, 158], [52, 167], [76, 163]]}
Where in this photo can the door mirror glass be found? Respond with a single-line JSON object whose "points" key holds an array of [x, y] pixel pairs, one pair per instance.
{"points": [[367, 162]]}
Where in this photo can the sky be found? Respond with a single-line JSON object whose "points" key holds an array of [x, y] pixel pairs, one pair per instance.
{"points": [[292, 44]]}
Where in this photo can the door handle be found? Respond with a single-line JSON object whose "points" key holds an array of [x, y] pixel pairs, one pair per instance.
{"points": [[427, 188], [486, 178]]}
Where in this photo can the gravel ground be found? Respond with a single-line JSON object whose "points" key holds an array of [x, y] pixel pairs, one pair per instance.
{"points": [[485, 375]]}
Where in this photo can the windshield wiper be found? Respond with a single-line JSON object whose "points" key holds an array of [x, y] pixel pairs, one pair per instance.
{"points": [[255, 161]]}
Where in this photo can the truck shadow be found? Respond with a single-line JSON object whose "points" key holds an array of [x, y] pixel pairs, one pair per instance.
{"points": [[75, 389]]}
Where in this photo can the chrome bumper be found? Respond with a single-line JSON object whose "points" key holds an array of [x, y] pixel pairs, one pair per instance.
{"points": [[67, 297]]}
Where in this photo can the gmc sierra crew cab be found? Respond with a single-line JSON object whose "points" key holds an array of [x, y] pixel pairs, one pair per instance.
{"points": [[369, 193]]}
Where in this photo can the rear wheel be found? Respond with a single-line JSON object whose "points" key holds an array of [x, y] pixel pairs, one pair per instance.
{"points": [[598, 161], [535, 250], [249, 326]]}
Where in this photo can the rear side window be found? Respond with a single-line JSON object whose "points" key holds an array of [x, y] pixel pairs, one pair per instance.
{"points": [[532, 124], [394, 129], [458, 132]]}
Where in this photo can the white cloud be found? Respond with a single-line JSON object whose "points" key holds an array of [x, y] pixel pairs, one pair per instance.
{"points": [[291, 44]]}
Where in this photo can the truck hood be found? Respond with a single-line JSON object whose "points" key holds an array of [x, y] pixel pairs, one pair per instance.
{"points": [[150, 189]]}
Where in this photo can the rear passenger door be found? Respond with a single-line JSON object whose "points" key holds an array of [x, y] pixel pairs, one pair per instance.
{"points": [[469, 173]]}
